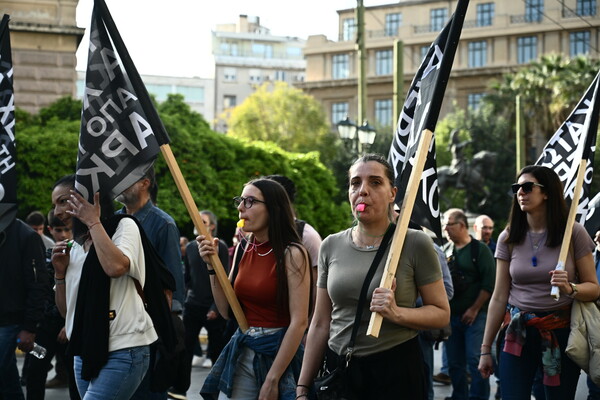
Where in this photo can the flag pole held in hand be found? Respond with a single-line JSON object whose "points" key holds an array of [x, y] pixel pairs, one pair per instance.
{"points": [[133, 102], [564, 248]]}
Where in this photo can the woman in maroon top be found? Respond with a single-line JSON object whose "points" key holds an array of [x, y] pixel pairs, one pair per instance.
{"points": [[273, 286]]}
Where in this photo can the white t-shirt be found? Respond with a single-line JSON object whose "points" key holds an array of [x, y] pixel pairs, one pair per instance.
{"points": [[131, 326]]}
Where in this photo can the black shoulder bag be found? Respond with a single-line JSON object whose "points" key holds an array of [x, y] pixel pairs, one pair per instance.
{"points": [[333, 385]]}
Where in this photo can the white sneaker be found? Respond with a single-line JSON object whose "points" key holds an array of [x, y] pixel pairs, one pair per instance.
{"points": [[207, 363], [197, 361]]}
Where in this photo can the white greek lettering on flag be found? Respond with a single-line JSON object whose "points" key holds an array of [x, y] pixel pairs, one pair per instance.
{"points": [[573, 141], [8, 170], [116, 142], [408, 133]]}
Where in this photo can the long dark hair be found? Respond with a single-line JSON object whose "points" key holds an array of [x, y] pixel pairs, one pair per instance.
{"points": [[80, 229], [556, 208], [282, 231]]}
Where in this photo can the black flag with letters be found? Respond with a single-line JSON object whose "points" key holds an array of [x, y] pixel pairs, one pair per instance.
{"points": [[574, 141], [8, 171], [120, 137], [420, 111]]}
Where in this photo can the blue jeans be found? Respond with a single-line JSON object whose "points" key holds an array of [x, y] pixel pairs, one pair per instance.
{"points": [[120, 376], [463, 348], [518, 373], [10, 387]]}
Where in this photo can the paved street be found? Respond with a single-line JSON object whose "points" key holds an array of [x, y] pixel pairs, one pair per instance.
{"points": [[199, 374]]}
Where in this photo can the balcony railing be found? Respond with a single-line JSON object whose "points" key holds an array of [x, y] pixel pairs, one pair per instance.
{"points": [[566, 13], [526, 19]]}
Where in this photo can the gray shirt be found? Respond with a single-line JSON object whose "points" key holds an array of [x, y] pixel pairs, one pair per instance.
{"points": [[530, 286], [342, 270]]}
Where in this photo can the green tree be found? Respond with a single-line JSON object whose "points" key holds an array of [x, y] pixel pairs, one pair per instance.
{"points": [[549, 88], [215, 167], [284, 115]]}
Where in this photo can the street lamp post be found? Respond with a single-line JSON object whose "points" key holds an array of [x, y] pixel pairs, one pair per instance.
{"points": [[358, 137]]}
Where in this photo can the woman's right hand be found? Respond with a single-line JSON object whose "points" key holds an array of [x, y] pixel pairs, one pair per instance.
{"points": [[206, 248], [486, 365], [60, 258]]}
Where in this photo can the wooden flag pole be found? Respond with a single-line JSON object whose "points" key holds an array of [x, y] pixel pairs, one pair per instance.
{"points": [[566, 243], [408, 203], [200, 227]]}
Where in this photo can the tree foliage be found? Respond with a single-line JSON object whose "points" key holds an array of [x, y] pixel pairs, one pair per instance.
{"points": [[549, 88], [215, 168], [284, 115]]}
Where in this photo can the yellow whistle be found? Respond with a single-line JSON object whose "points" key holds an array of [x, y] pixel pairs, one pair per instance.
{"points": [[240, 223]]}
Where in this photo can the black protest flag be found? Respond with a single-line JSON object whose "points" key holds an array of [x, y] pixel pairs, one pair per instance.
{"points": [[574, 141], [121, 132], [8, 171], [420, 111]]}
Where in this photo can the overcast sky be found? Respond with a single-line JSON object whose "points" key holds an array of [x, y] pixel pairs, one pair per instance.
{"points": [[174, 37]]}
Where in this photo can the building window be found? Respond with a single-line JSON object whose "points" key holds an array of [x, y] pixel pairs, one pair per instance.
{"points": [[437, 18], [339, 112], [341, 66], [393, 22], [586, 7], [255, 75], [534, 9], [526, 49], [477, 54], [383, 112], [192, 94], [229, 74], [229, 101], [280, 75], [229, 48], [383, 62], [485, 14], [294, 52], [348, 29], [474, 100], [579, 43], [262, 50]]}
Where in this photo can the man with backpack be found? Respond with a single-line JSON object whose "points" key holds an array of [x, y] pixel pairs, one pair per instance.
{"points": [[473, 272]]}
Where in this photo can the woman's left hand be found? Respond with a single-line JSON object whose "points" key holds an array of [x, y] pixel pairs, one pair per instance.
{"points": [[87, 213], [384, 301], [561, 280], [269, 390]]}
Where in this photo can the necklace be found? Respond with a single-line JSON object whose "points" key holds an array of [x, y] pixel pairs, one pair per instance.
{"points": [[262, 255], [361, 243], [535, 248]]}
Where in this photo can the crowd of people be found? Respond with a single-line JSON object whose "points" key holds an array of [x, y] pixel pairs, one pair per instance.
{"points": [[93, 297]]}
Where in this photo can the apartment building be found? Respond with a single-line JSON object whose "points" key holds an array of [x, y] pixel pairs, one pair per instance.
{"points": [[246, 55], [198, 93], [498, 37], [44, 38]]}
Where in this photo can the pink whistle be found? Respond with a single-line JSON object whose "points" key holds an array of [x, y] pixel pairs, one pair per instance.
{"points": [[360, 207]]}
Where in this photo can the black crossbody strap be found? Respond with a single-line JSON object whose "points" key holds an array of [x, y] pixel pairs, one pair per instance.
{"points": [[365, 287]]}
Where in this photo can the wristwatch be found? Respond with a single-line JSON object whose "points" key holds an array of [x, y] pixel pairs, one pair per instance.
{"points": [[575, 291]]}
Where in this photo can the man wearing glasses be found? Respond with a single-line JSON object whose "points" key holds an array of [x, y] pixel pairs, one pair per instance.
{"points": [[483, 228], [473, 272]]}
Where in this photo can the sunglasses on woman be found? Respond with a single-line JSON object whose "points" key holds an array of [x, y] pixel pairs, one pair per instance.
{"points": [[248, 201], [526, 186]]}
